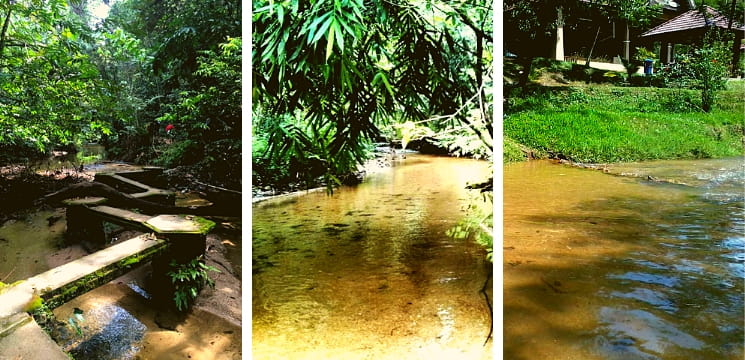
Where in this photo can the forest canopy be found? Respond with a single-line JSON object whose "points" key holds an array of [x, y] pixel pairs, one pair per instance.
{"points": [[69, 77]]}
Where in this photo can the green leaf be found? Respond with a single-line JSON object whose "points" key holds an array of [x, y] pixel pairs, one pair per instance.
{"points": [[315, 32], [387, 85], [339, 37], [330, 43]]}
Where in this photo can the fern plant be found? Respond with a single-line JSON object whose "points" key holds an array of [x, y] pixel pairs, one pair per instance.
{"points": [[189, 279]]}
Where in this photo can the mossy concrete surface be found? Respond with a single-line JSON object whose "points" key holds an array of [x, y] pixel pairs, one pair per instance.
{"points": [[184, 224], [22, 338], [15, 299]]}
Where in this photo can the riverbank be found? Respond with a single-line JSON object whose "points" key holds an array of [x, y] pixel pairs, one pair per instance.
{"points": [[602, 124], [384, 158]]}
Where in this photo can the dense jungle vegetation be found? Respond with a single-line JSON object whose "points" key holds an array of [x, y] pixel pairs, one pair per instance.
{"points": [[332, 78], [155, 81]]}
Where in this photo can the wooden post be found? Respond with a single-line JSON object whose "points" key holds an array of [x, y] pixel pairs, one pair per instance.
{"points": [[669, 53], [627, 44]]}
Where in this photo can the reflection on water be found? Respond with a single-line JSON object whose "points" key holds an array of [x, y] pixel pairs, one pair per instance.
{"points": [[648, 270], [107, 332], [369, 271], [61, 160]]}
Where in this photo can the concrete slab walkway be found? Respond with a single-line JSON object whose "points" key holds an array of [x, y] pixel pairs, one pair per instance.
{"points": [[22, 338]]}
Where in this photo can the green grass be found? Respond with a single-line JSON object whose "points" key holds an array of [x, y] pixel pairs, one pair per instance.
{"points": [[512, 151], [619, 124]]}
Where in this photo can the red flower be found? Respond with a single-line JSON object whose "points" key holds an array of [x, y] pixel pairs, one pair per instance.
{"points": [[169, 127]]}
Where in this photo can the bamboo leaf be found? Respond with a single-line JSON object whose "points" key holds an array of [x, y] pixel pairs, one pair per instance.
{"points": [[387, 84], [330, 43], [322, 30], [347, 28], [339, 37], [313, 27]]}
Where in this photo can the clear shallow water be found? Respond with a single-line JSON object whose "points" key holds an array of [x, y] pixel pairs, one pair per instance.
{"points": [[369, 273], [604, 267]]}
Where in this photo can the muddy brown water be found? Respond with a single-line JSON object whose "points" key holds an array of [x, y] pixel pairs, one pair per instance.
{"points": [[612, 267], [369, 273]]}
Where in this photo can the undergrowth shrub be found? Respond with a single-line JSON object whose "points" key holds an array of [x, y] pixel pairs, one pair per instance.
{"points": [[188, 280]]}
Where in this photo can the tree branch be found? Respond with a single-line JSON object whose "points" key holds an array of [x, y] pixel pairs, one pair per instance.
{"points": [[6, 23], [466, 20]]}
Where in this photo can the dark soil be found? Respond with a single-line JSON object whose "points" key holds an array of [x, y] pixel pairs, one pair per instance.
{"points": [[20, 187]]}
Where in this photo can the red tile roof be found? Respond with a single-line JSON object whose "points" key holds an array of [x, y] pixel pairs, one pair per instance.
{"points": [[693, 19]]}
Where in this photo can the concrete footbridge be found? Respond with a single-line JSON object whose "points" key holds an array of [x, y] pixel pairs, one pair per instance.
{"points": [[166, 238]]}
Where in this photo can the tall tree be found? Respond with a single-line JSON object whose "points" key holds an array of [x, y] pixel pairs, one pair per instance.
{"points": [[49, 88]]}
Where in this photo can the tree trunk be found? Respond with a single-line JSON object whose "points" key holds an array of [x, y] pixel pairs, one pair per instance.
{"points": [[230, 205], [6, 23], [559, 40], [589, 56]]}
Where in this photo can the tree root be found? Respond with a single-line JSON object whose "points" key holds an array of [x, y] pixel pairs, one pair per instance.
{"points": [[488, 304], [117, 198]]}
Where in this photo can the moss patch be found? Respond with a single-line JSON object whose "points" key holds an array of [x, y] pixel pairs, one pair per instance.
{"points": [[66, 293]]}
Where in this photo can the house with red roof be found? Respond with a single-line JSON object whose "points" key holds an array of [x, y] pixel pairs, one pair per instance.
{"points": [[690, 28]]}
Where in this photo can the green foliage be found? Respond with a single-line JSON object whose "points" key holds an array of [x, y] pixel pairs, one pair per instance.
{"points": [[607, 124], [35, 304], [64, 79], [39, 310], [702, 68], [532, 24], [644, 54], [352, 66], [511, 151], [410, 131], [477, 224], [189, 279], [289, 150], [211, 111], [208, 116], [50, 89], [184, 152], [464, 141]]}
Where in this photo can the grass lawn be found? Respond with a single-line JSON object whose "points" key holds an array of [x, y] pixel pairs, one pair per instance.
{"points": [[604, 123]]}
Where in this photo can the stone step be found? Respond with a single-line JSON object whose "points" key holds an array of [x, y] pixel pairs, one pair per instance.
{"points": [[22, 338], [141, 191], [16, 298]]}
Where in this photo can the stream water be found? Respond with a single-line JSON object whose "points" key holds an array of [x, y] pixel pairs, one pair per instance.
{"points": [[614, 267], [119, 320], [369, 273]]}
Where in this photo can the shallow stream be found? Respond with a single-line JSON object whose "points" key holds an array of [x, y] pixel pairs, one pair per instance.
{"points": [[119, 320], [369, 273], [615, 267]]}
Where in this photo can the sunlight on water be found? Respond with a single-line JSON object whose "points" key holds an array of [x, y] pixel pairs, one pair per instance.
{"points": [[604, 267], [369, 272], [108, 332]]}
